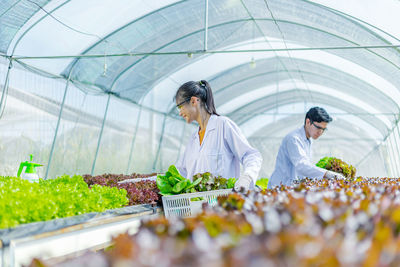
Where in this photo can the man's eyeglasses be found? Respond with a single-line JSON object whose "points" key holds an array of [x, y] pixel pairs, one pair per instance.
{"points": [[319, 127], [179, 106]]}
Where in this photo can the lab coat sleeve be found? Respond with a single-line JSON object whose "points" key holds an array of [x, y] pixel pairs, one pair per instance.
{"points": [[240, 147], [300, 160]]}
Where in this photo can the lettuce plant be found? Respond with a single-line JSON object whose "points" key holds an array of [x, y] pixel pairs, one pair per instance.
{"points": [[24, 202]]}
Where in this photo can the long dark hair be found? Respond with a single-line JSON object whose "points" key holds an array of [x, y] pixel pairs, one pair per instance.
{"points": [[199, 89]]}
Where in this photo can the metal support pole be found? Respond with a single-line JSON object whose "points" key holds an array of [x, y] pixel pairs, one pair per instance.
{"points": [[206, 25], [101, 134], [201, 52], [396, 156], [396, 135], [389, 163], [5, 88], [160, 143], [384, 161], [394, 167], [388, 154], [134, 140], [57, 126]]}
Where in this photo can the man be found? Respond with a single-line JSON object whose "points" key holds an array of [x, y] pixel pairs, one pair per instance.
{"points": [[294, 156]]}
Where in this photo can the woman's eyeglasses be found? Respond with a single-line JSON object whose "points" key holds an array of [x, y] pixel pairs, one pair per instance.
{"points": [[179, 106]]}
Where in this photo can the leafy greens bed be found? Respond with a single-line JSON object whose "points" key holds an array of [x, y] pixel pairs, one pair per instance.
{"points": [[139, 192], [313, 223], [337, 165], [172, 183], [24, 202]]}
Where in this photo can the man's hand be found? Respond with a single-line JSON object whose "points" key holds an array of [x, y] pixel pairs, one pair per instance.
{"points": [[334, 175], [243, 183]]}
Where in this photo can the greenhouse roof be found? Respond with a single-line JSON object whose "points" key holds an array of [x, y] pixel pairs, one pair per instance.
{"points": [[266, 60]]}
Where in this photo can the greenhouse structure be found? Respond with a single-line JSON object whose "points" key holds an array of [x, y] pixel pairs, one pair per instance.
{"points": [[88, 88]]}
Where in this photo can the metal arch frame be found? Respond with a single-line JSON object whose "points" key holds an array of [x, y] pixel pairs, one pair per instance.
{"points": [[57, 125], [269, 128], [65, 93], [12, 6], [104, 39], [166, 45], [385, 163], [350, 142], [398, 133], [385, 142], [347, 145], [181, 37], [134, 140], [245, 20], [218, 25], [237, 93], [259, 105], [36, 22], [397, 152], [175, 4], [395, 145], [306, 73], [269, 61], [261, 31], [361, 151], [64, 97], [12, 53], [123, 27], [343, 14], [385, 152], [392, 159], [66, 86], [338, 13], [275, 95]]}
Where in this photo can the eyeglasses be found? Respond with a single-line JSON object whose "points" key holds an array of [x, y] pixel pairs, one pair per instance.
{"points": [[319, 127], [179, 106]]}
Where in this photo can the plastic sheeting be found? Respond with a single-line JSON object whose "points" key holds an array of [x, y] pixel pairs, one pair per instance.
{"points": [[91, 83]]}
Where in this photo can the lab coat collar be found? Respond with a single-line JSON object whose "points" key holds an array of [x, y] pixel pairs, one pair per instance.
{"points": [[212, 121], [211, 125], [303, 134]]}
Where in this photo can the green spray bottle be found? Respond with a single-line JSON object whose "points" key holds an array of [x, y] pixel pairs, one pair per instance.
{"points": [[30, 171]]}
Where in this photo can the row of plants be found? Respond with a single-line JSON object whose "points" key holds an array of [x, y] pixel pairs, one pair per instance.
{"points": [[262, 183], [62, 197], [173, 183], [24, 202], [313, 223], [112, 179], [337, 165], [138, 192]]}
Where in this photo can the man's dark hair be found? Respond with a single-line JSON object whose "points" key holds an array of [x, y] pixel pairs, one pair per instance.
{"points": [[317, 114]]}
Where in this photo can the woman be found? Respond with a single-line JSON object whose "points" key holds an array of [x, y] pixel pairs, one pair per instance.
{"points": [[218, 146]]}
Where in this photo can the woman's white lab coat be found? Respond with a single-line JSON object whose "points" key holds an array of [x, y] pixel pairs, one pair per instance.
{"points": [[223, 148]]}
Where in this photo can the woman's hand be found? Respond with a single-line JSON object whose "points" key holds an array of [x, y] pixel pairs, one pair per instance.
{"points": [[243, 183]]}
